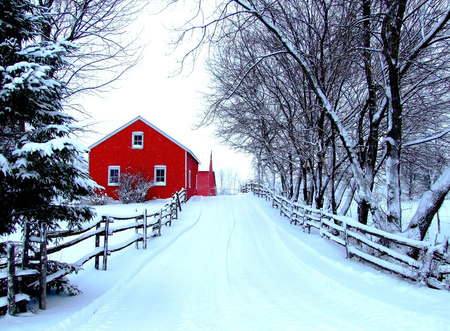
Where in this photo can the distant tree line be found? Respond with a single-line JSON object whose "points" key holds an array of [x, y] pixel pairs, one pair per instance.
{"points": [[228, 181]]}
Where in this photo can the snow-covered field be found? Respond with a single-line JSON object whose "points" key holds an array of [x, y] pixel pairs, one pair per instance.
{"points": [[231, 262]]}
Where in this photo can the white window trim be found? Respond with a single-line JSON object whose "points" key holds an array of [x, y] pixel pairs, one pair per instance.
{"points": [[190, 181], [159, 167], [137, 133], [109, 175]]}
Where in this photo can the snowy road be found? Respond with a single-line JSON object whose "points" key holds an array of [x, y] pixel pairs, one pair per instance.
{"points": [[240, 267]]}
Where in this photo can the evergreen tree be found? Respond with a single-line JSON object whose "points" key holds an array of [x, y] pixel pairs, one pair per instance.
{"points": [[41, 172]]}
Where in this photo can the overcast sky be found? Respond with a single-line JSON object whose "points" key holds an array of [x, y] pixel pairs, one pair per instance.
{"points": [[170, 103]]}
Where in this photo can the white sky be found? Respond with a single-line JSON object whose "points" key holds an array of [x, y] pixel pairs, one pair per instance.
{"points": [[170, 103]]}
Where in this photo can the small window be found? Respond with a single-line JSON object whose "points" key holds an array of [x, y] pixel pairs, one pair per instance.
{"points": [[160, 175], [189, 179], [138, 140], [113, 175]]}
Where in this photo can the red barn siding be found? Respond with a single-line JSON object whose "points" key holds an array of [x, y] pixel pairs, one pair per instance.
{"points": [[158, 149], [192, 166], [206, 183]]}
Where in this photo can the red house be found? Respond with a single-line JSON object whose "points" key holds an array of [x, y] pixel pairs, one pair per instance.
{"points": [[139, 146]]}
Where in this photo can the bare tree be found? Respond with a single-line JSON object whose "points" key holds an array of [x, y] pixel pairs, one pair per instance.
{"points": [[97, 28], [371, 67]]}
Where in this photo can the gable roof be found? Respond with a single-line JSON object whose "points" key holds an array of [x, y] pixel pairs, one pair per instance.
{"points": [[150, 125]]}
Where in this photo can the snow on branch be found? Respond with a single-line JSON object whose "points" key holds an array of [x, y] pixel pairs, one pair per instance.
{"points": [[260, 58], [48, 148], [4, 165], [424, 140], [364, 192], [427, 40]]}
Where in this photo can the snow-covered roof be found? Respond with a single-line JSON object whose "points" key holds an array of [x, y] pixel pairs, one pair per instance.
{"points": [[150, 125]]}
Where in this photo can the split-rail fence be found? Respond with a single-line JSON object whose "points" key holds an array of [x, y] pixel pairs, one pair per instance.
{"points": [[381, 249], [15, 272]]}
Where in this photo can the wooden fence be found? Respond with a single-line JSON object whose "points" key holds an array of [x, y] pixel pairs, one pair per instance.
{"points": [[376, 247], [145, 226]]}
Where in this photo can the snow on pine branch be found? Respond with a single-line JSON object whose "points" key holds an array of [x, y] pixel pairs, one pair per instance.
{"points": [[49, 147], [32, 76], [4, 165]]}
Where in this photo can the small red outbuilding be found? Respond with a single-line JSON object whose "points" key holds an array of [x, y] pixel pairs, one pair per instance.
{"points": [[206, 181], [139, 146]]}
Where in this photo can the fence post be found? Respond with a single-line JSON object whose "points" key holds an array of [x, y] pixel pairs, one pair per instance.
{"points": [[136, 231], [159, 223], [105, 245], [97, 244], [174, 209], [428, 260], [11, 296], [178, 202], [344, 225], [321, 222], [293, 217], [303, 217], [306, 225], [43, 268], [177, 199], [144, 243]]}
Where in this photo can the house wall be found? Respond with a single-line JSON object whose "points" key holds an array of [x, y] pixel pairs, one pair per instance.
{"points": [[157, 150], [192, 165]]}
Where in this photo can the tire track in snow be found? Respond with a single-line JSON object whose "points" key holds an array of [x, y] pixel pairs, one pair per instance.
{"points": [[270, 313], [263, 295], [295, 283], [106, 301], [215, 279], [362, 311]]}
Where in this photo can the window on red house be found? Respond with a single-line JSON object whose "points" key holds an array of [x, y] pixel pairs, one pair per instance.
{"points": [[113, 175], [160, 175], [138, 140]]}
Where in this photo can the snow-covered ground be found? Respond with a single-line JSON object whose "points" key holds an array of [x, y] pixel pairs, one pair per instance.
{"points": [[231, 262]]}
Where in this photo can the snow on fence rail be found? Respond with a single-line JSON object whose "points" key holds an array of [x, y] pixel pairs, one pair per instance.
{"points": [[379, 248], [103, 229]]}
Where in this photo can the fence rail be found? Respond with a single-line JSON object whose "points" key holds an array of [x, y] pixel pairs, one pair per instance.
{"points": [[378, 248], [145, 225]]}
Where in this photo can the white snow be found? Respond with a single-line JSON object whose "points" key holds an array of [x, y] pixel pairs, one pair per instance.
{"points": [[232, 263]]}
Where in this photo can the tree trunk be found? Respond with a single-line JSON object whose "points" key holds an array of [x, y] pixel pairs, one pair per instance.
{"points": [[391, 29], [429, 205], [363, 212], [348, 200], [11, 297], [43, 268], [298, 185]]}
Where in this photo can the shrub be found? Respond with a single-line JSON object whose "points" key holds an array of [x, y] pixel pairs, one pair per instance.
{"points": [[133, 187], [97, 199]]}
